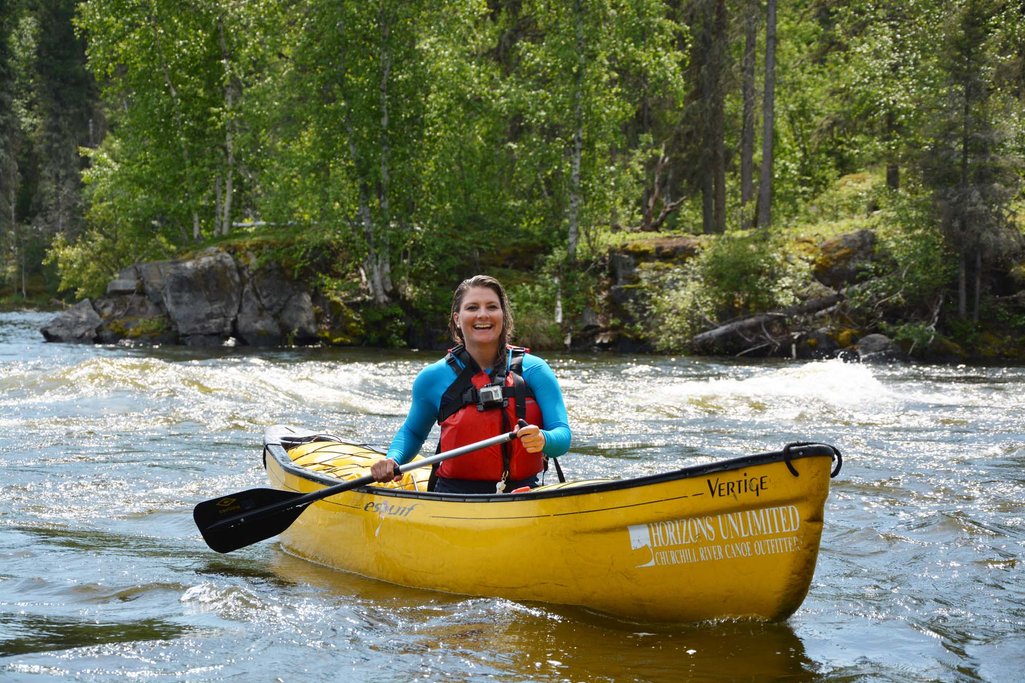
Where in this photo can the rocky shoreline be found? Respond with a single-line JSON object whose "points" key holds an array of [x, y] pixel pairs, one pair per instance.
{"points": [[217, 298], [207, 300]]}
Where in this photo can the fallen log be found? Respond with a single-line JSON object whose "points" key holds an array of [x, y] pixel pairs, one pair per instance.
{"points": [[757, 330]]}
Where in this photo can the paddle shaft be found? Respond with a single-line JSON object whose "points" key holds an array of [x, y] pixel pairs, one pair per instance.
{"points": [[307, 498], [262, 513]]}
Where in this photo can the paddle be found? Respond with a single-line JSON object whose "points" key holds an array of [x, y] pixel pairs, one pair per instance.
{"points": [[240, 519]]}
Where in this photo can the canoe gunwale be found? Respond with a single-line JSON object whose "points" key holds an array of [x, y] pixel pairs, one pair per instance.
{"points": [[276, 438]]}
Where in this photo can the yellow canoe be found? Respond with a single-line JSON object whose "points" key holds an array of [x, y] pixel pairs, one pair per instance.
{"points": [[733, 539]]}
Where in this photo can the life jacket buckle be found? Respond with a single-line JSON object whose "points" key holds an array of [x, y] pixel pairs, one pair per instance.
{"points": [[500, 486]]}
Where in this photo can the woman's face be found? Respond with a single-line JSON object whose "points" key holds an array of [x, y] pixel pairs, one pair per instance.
{"points": [[480, 316]]}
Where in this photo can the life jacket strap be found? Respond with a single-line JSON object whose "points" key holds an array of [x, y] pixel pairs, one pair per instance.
{"points": [[462, 392]]}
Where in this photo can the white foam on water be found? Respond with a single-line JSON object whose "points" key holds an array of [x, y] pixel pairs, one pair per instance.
{"points": [[779, 391]]}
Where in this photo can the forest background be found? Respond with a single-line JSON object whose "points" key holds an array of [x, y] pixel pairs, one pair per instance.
{"points": [[382, 150]]}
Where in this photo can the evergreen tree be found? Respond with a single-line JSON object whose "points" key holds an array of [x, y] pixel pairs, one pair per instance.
{"points": [[705, 114], [9, 134], [66, 97], [750, 17], [766, 178], [965, 165]]}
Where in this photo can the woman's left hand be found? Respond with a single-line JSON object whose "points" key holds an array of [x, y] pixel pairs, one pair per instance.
{"points": [[531, 438]]}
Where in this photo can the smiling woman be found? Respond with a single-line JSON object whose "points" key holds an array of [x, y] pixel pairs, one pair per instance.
{"points": [[481, 388], [481, 318]]}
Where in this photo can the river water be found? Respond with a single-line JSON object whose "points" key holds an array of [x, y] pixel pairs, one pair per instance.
{"points": [[103, 576]]}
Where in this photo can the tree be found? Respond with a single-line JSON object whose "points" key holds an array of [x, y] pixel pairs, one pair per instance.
{"points": [[168, 74], [48, 110], [468, 208], [69, 118], [709, 69], [354, 96], [768, 119], [1010, 75], [751, 14], [884, 68], [10, 257], [587, 74], [965, 166]]}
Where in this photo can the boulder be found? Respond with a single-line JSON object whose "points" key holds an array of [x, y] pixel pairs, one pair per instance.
{"points": [[817, 344], [274, 309], [622, 268], [78, 324], [877, 348], [843, 260], [202, 301], [666, 249], [202, 297], [152, 275], [122, 286], [135, 318]]}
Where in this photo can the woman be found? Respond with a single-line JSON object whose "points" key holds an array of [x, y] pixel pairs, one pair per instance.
{"points": [[481, 388]]}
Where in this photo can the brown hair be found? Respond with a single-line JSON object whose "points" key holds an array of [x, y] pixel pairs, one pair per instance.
{"points": [[495, 286]]}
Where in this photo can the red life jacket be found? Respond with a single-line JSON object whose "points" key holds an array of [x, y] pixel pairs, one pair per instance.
{"points": [[465, 418]]}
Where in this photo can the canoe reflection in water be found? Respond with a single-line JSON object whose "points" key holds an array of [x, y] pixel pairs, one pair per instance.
{"points": [[449, 634]]}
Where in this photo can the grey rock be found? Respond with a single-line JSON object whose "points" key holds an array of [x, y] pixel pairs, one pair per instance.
{"points": [[202, 301], [878, 348], [134, 318], [78, 324], [122, 286], [816, 344], [275, 310], [201, 295], [623, 268]]}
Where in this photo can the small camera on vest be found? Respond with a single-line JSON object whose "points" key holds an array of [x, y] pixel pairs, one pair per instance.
{"points": [[490, 397]]}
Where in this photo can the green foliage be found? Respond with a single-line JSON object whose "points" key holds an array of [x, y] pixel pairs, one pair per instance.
{"points": [[88, 264], [1011, 317], [120, 231], [883, 66], [535, 304], [748, 272], [141, 328], [384, 326], [735, 275], [47, 105], [914, 269], [581, 79], [911, 336], [325, 253], [173, 75], [968, 165], [809, 153], [850, 197]]}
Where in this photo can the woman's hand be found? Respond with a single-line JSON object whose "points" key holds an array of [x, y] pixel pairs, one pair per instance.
{"points": [[531, 438], [385, 469]]}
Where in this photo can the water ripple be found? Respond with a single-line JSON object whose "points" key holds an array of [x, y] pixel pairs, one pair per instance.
{"points": [[103, 576]]}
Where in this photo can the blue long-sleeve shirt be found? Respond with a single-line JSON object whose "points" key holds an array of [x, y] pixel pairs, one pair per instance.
{"points": [[430, 384]]}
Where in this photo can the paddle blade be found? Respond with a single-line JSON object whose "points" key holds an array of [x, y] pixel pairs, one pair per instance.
{"points": [[240, 519]]}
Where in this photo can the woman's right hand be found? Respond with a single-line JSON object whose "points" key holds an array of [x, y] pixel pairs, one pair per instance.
{"points": [[385, 470]]}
